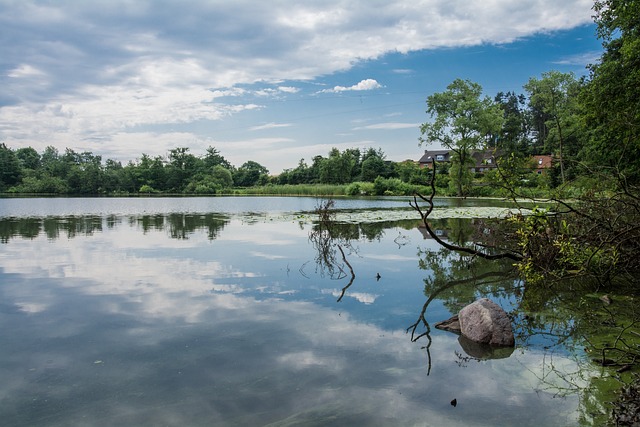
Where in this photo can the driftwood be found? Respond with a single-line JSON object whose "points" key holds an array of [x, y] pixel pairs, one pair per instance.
{"points": [[462, 249]]}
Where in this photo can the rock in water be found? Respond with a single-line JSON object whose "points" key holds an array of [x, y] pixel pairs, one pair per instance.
{"points": [[484, 321]]}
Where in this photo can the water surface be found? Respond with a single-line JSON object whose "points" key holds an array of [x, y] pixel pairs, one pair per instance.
{"points": [[214, 311]]}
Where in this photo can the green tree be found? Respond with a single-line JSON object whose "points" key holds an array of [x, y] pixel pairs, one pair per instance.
{"points": [[52, 163], [612, 96], [352, 157], [315, 168], [338, 167], [514, 135], [249, 174], [29, 158], [300, 175], [463, 121], [556, 95], [10, 170], [222, 176], [181, 168], [373, 165], [214, 158], [112, 177]]}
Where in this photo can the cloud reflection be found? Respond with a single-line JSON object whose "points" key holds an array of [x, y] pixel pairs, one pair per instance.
{"points": [[181, 338]]}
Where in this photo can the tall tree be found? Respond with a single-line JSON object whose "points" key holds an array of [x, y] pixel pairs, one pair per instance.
{"points": [[463, 121], [555, 94], [612, 96], [338, 167], [249, 174], [52, 162], [214, 158], [182, 166], [514, 135], [373, 165], [29, 158], [10, 169]]}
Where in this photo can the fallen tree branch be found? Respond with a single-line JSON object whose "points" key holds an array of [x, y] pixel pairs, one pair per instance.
{"points": [[462, 249]]}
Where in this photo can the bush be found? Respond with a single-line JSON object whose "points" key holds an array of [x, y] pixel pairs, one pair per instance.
{"points": [[360, 189], [48, 185], [391, 187], [147, 189], [353, 189], [442, 181]]}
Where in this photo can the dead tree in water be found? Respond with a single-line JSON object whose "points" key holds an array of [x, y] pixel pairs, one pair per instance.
{"points": [[326, 242]]}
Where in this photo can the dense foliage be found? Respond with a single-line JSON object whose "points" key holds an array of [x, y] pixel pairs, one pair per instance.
{"points": [[26, 171], [595, 128]]}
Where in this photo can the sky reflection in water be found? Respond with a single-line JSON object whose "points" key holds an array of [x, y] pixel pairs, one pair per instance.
{"points": [[128, 325]]}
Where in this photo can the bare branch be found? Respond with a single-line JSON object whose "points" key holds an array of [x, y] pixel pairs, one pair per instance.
{"points": [[461, 249]]}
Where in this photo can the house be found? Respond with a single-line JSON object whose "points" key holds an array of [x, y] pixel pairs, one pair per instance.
{"points": [[426, 161], [542, 162], [484, 160]]}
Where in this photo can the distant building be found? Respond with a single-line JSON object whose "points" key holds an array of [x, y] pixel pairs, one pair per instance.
{"points": [[484, 160], [542, 162], [426, 161]]}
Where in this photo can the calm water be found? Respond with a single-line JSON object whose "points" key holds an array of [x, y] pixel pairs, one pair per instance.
{"points": [[215, 311]]}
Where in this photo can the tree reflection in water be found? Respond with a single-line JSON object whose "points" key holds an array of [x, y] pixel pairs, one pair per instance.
{"points": [[328, 238], [554, 320], [179, 225]]}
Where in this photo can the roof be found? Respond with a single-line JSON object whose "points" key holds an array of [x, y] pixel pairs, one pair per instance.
{"points": [[543, 161], [428, 156]]}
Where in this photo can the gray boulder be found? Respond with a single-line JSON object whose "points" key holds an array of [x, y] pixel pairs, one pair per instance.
{"points": [[485, 322]]}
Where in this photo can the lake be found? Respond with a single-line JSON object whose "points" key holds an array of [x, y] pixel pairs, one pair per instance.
{"points": [[222, 311]]}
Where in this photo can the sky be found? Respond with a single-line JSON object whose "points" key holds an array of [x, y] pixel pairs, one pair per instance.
{"points": [[268, 81]]}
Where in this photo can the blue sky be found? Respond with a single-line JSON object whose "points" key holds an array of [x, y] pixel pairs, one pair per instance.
{"points": [[272, 82]]}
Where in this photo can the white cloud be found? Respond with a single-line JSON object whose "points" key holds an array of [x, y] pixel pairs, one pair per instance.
{"points": [[276, 91], [367, 84], [87, 71], [25, 70], [271, 126], [288, 89], [581, 59], [389, 126]]}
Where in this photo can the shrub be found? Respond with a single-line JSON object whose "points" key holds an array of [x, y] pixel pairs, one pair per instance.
{"points": [[147, 189], [353, 189]]}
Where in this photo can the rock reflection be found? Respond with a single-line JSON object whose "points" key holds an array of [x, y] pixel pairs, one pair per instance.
{"points": [[457, 279], [483, 351]]}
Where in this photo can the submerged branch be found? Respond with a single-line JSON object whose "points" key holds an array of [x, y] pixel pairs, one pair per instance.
{"points": [[461, 249]]}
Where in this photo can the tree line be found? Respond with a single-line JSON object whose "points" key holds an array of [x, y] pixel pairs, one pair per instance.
{"points": [[514, 126], [549, 118], [24, 170]]}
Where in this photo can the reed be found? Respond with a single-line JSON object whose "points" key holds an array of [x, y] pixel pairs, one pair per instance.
{"points": [[291, 190]]}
